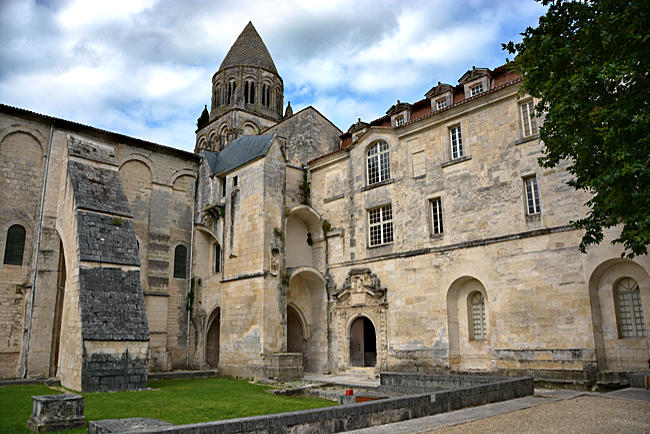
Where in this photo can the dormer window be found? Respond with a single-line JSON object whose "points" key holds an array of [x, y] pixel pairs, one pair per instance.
{"points": [[399, 121], [475, 90], [441, 103]]}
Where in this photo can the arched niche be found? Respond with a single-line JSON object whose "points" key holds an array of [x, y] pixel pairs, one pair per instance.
{"points": [[613, 351], [305, 243], [307, 307], [467, 351], [212, 338]]}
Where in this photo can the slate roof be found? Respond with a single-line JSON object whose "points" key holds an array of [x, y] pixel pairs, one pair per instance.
{"points": [[249, 50], [239, 152]]}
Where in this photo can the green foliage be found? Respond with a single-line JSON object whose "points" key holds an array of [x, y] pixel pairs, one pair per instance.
{"points": [[190, 295], [587, 62], [327, 226], [204, 119], [117, 221], [285, 278], [175, 401], [305, 191]]}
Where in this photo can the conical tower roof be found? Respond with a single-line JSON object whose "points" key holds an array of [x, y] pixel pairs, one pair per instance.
{"points": [[249, 50]]}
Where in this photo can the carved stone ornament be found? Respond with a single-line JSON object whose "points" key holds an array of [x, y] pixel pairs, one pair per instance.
{"points": [[361, 286]]}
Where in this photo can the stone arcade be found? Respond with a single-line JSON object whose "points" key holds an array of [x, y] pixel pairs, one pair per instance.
{"points": [[428, 239]]}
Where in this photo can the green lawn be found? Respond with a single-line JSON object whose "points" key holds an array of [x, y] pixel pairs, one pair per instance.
{"points": [[175, 401]]}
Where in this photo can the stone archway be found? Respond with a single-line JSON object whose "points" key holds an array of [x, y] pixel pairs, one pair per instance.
{"points": [[359, 313], [212, 339], [363, 343], [296, 339], [307, 318]]}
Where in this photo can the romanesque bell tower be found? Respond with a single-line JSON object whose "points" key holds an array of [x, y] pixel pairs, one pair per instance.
{"points": [[247, 94]]}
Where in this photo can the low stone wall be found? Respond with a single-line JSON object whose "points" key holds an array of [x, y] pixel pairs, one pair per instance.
{"points": [[423, 383], [363, 415]]}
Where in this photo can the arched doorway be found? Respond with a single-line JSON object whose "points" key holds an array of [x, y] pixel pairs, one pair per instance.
{"points": [[212, 339], [296, 342], [363, 343]]}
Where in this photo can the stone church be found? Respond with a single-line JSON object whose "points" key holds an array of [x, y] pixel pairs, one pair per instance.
{"points": [[427, 239]]}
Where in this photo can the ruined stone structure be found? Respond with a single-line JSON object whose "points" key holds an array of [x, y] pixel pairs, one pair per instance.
{"points": [[428, 239]]}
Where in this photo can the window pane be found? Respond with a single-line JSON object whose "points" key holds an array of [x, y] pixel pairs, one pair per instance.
{"points": [[15, 245], [180, 262]]}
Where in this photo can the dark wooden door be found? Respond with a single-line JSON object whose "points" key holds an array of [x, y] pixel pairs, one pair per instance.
{"points": [[356, 343]]}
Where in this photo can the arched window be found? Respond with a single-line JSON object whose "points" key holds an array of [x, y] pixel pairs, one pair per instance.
{"points": [[217, 97], [180, 262], [15, 245], [477, 331], [629, 312], [249, 92], [232, 87], [378, 163], [217, 258]]}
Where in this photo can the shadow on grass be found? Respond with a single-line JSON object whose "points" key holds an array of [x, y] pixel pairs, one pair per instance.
{"points": [[176, 401]]}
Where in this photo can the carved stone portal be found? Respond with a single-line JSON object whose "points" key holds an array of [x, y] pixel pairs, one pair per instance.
{"points": [[361, 295]]}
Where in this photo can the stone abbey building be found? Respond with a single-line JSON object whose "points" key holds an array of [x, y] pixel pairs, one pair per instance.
{"points": [[428, 239]]}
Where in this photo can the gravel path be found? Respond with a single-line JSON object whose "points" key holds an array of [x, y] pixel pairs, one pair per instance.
{"points": [[584, 414]]}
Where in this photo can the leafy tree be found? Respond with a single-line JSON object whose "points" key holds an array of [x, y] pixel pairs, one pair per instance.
{"points": [[587, 63]]}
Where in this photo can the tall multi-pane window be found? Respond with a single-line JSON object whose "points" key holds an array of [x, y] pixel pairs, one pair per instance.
{"points": [[477, 317], [15, 245], [532, 195], [456, 142], [629, 311], [378, 163], [180, 262], [436, 216], [475, 90], [528, 122], [380, 225]]}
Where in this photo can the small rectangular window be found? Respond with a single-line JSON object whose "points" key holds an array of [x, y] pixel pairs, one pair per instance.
{"points": [[234, 181], [441, 103], [380, 225], [528, 122], [475, 90], [532, 195], [399, 121], [436, 216], [456, 142], [217, 258], [223, 187]]}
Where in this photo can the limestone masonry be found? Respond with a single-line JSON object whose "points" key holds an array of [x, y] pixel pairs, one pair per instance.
{"points": [[426, 240]]}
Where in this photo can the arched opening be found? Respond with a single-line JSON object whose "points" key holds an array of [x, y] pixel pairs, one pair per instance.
{"points": [[180, 262], [619, 290], [58, 312], [468, 324], [296, 342], [307, 318], [305, 242], [363, 343], [212, 339], [15, 245]]}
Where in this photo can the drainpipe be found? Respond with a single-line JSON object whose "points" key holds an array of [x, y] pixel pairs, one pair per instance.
{"points": [[189, 283], [37, 246]]}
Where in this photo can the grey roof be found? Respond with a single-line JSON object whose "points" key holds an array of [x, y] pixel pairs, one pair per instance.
{"points": [[239, 152], [249, 50]]}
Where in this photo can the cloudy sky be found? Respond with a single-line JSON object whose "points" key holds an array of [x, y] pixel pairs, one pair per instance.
{"points": [[143, 67]]}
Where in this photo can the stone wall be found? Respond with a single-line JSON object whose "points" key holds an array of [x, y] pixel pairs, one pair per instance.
{"points": [[538, 308]]}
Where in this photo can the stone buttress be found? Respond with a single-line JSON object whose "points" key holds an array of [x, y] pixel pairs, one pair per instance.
{"points": [[105, 339]]}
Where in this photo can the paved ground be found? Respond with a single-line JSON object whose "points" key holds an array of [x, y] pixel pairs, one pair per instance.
{"points": [[342, 380], [564, 411]]}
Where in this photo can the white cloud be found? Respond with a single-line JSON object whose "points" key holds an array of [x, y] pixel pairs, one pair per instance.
{"points": [[144, 67]]}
